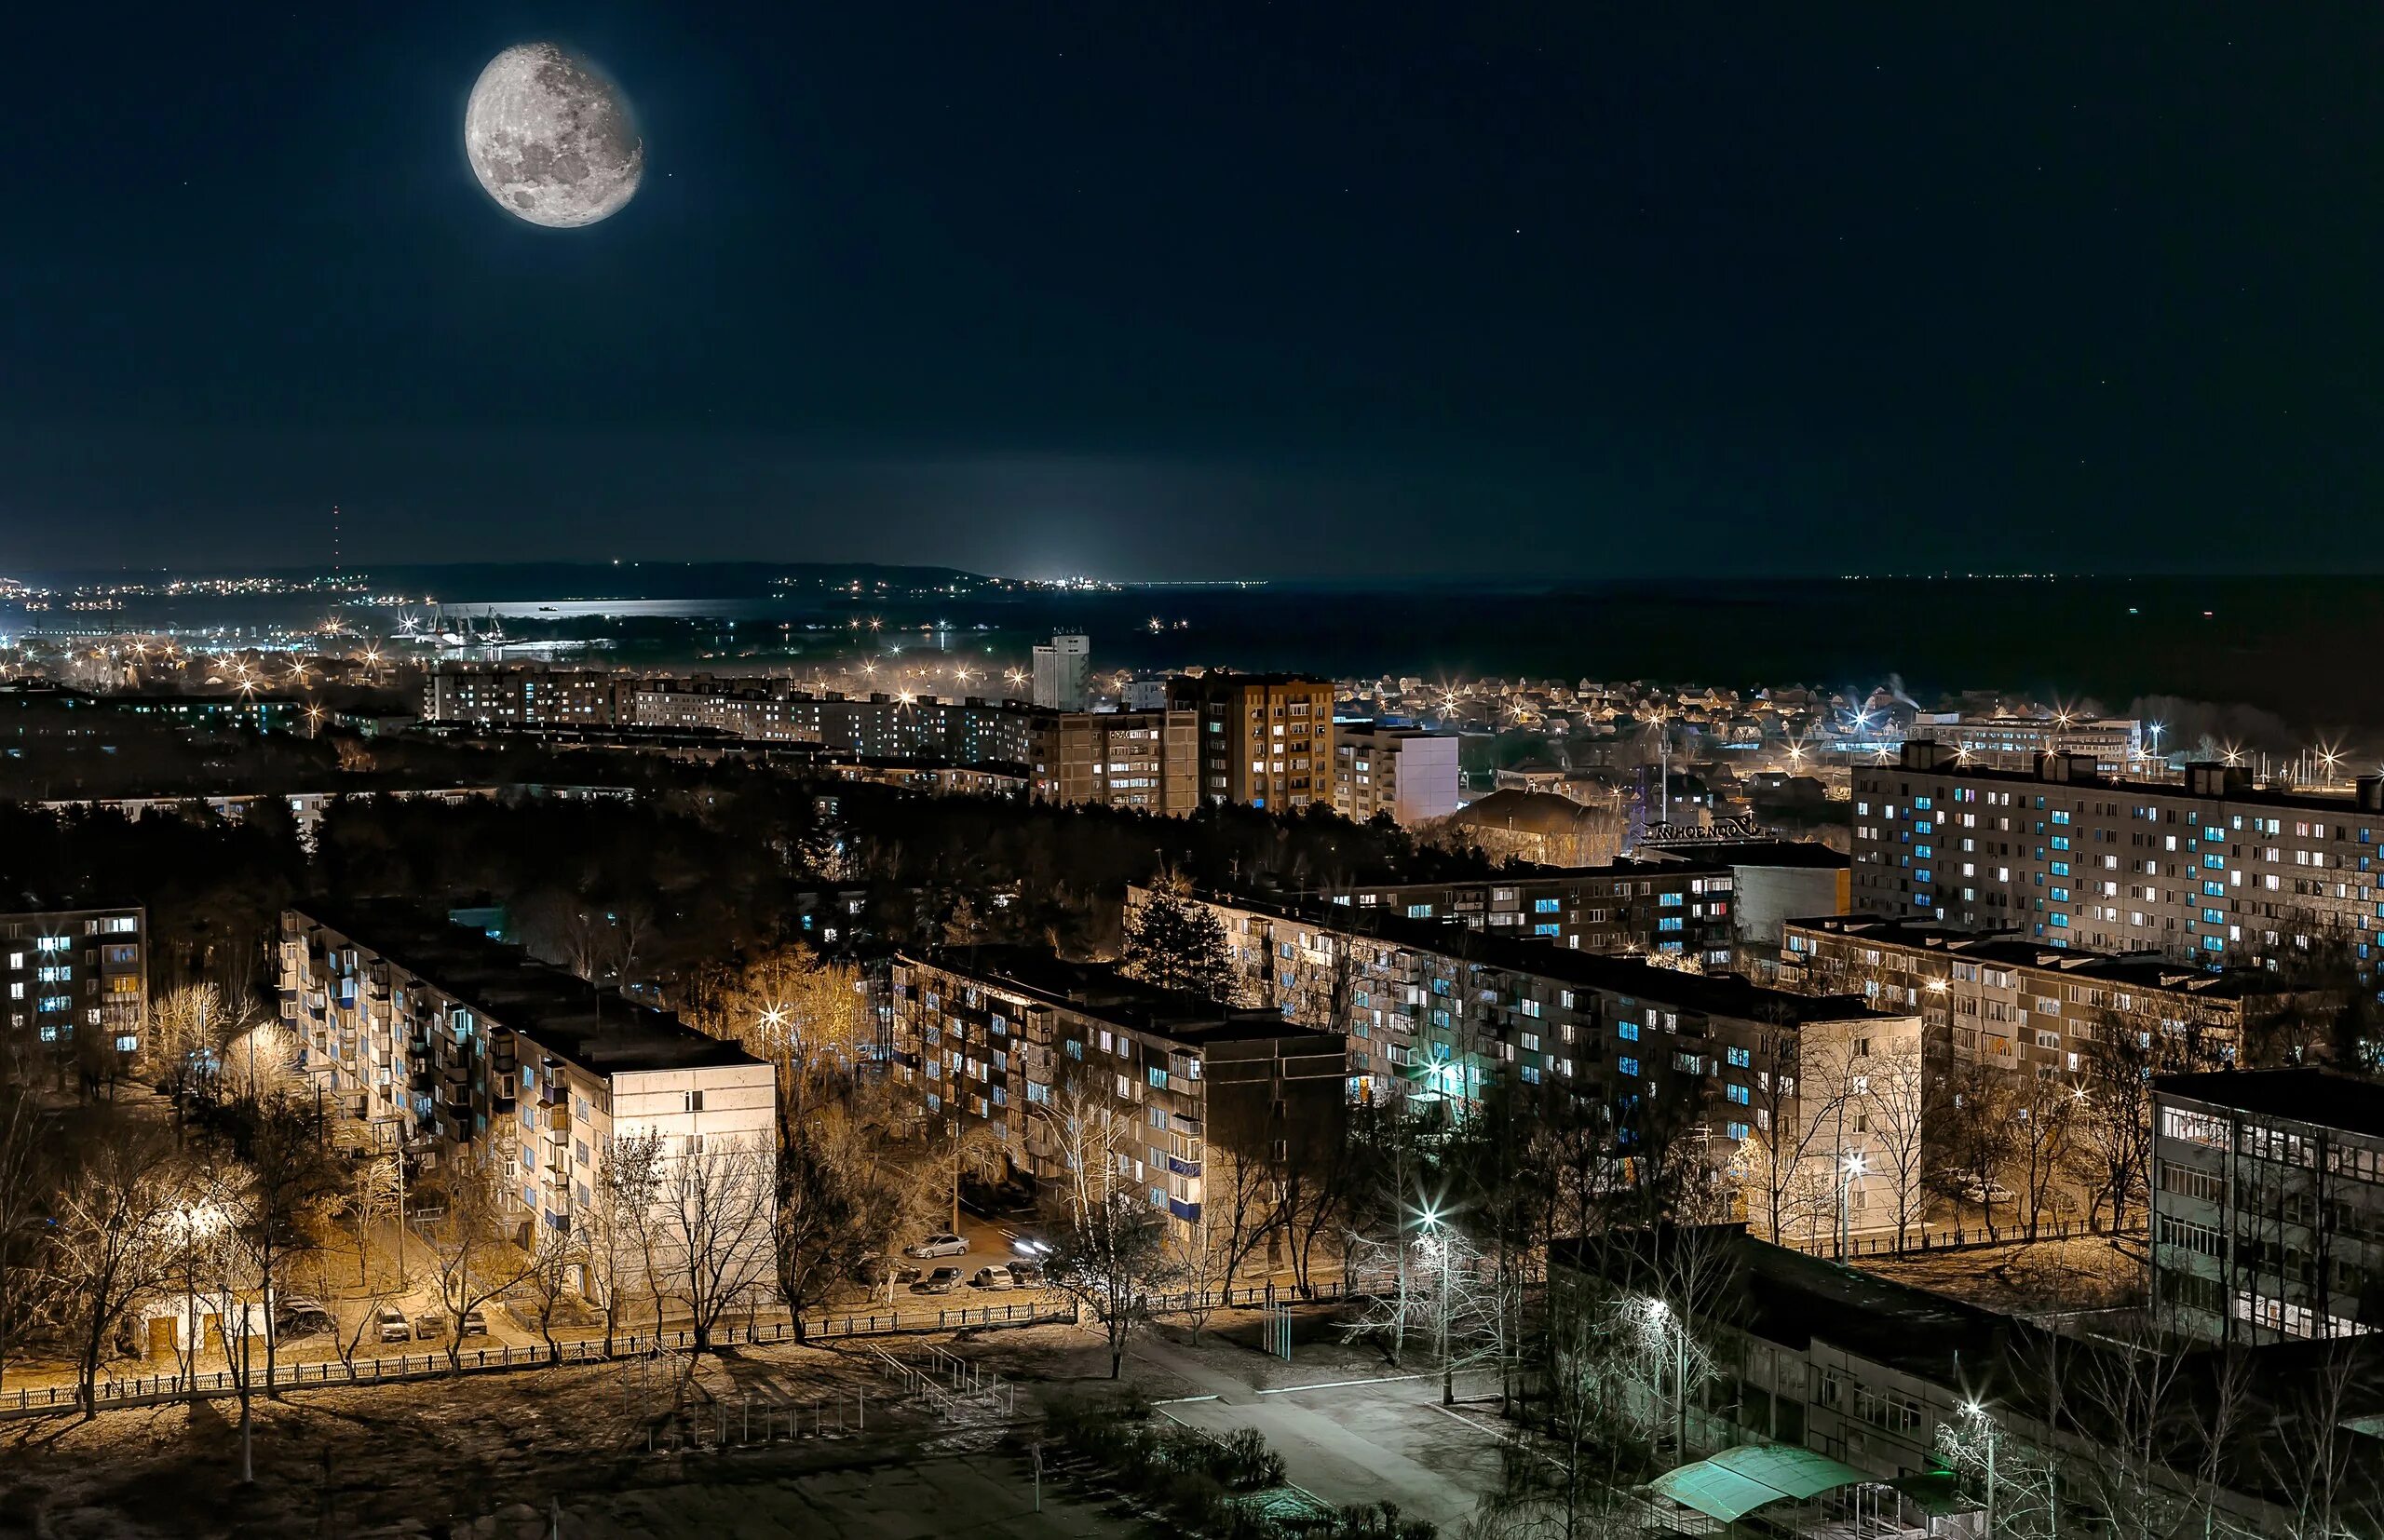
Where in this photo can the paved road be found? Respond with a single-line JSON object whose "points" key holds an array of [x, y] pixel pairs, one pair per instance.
{"points": [[1385, 1441]]}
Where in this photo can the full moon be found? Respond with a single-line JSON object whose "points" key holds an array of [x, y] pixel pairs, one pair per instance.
{"points": [[551, 139]]}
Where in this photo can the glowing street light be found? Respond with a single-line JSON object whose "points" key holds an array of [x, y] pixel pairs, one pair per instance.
{"points": [[1852, 1168]]}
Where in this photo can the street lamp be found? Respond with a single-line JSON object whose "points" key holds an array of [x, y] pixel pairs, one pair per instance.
{"points": [[1428, 1220], [1975, 1412], [1852, 1168]]}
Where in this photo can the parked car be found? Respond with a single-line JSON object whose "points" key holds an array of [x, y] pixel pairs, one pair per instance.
{"points": [[1026, 1275], [1994, 1192], [992, 1277], [430, 1326], [944, 1243], [943, 1280], [475, 1324], [303, 1317], [393, 1325]]}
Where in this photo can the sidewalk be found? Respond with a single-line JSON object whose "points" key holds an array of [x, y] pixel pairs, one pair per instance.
{"points": [[1372, 1435]]}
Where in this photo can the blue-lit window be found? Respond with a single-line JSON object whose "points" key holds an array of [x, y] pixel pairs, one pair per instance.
{"points": [[2060, 921], [2213, 863], [1157, 1076], [1738, 1057], [1921, 804], [1738, 1131], [1736, 1093], [1630, 1030], [1531, 1075], [1668, 900], [2214, 835], [2061, 894], [1925, 852], [1545, 905], [2213, 890], [1924, 877], [1549, 929], [1627, 1066], [2212, 917], [1670, 922], [1419, 912], [2212, 943], [2061, 841], [2057, 817], [2061, 869], [1923, 826]]}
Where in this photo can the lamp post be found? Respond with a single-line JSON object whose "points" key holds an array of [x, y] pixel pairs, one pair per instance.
{"points": [[1976, 1412], [1661, 1314], [1854, 1165], [1429, 1220]]}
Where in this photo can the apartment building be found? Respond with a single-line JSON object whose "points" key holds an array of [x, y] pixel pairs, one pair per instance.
{"points": [[532, 695], [1673, 909], [1265, 739], [2205, 869], [2114, 744], [1021, 1041], [1147, 761], [1436, 1018], [1406, 772], [76, 982], [2268, 1204], [2024, 1006], [430, 1036], [1064, 672]]}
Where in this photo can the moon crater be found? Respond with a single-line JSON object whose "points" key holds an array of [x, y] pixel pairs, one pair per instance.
{"points": [[551, 139]]}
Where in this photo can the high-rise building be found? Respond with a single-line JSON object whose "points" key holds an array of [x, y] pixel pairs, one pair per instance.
{"points": [[2268, 1204], [1143, 759], [2205, 868], [1265, 739], [1064, 672], [1406, 772], [76, 983]]}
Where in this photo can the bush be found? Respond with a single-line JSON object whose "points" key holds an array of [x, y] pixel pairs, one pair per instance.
{"points": [[1244, 1463]]}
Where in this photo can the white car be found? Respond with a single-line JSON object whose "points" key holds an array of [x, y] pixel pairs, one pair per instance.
{"points": [[942, 1244], [992, 1277]]}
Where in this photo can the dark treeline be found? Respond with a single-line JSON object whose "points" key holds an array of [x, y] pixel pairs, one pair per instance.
{"points": [[705, 863]]}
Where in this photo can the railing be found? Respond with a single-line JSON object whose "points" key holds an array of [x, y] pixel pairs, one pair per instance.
{"points": [[154, 1389]]}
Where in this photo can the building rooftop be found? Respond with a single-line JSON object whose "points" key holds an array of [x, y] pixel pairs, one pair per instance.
{"points": [[1100, 991], [2240, 792], [2008, 949], [2324, 1098], [1729, 994], [1729, 853], [597, 1030]]}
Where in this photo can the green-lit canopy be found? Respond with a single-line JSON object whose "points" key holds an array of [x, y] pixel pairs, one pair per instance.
{"points": [[1739, 1480]]}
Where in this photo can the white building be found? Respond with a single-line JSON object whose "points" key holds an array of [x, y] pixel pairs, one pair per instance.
{"points": [[1063, 672], [431, 1038], [1406, 772]]}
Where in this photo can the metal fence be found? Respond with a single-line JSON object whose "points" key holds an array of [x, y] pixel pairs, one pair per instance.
{"points": [[158, 1389]]}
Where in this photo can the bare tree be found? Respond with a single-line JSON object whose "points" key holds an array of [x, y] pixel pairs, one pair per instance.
{"points": [[713, 1224], [111, 1244], [23, 1215], [1111, 1253], [628, 1185], [472, 1242], [846, 1200], [1973, 1113], [2042, 1155], [1892, 1104]]}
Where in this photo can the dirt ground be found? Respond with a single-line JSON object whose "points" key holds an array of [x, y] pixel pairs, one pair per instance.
{"points": [[493, 1455], [2084, 1272]]}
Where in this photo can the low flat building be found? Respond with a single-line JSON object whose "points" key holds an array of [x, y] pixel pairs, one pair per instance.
{"points": [[427, 1037], [1000, 1035], [1671, 909], [76, 986], [2267, 1204]]}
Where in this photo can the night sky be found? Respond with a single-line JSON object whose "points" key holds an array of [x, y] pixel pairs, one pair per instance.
{"points": [[1210, 290]]}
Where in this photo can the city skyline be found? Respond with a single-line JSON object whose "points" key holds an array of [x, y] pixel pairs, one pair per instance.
{"points": [[1351, 294]]}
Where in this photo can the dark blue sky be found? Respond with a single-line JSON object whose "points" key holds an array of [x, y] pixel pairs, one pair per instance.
{"points": [[1211, 290]]}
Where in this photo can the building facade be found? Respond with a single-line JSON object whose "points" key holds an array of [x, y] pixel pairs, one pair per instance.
{"points": [[1064, 672], [1145, 761], [1408, 773], [1026, 1044], [1265, 739], [428, 1037], [76, 986], [1436, 1019], [2205, 869], [2022, 1006], [2267, 1204], [1671, 909]]}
